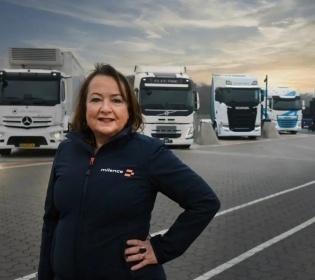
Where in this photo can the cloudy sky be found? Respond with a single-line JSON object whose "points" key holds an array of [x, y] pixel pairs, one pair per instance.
{"points": [[259, 37]]}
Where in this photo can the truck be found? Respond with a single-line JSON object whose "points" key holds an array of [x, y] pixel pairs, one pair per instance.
{"points": [[38, 90], [168, 103], [284, 108], [235, 105]]}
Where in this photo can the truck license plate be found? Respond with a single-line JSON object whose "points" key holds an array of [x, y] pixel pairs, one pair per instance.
{"points": [[27, 145], [167, 141]]}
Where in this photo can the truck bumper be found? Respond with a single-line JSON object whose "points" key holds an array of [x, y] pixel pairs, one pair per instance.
{"points": [[171, 134], [49, 138]]}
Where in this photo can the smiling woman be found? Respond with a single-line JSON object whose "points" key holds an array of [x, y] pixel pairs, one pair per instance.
{"points": [[102, 189], [106, 109]]}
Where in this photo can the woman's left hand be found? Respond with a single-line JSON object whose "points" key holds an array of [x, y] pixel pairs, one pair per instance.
{"points": [[140, 251]]}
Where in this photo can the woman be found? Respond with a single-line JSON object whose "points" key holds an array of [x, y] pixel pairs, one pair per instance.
{"points": [[102, 189]]}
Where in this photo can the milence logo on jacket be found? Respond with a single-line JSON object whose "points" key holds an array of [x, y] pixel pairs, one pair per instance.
{"points": [[128, 172]]}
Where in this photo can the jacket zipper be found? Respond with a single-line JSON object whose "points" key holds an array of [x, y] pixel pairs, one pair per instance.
{"points": [[87, 173]]}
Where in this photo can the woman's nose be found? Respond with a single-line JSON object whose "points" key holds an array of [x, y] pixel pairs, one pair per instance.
{"points": [[106, 106]]}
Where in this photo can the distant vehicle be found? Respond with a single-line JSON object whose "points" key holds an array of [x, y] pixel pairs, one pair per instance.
{"points": [[235, 105], [168, 103], [311, 127], [284, 109], [306, 122], [38, 89]]}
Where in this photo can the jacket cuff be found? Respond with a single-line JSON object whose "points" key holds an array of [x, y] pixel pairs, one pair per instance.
{"points": [[156, 243]]}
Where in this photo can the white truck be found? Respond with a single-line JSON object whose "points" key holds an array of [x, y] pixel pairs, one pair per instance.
{"points": [[38, 89], [168, 103], [235, 105], [284, 108]]}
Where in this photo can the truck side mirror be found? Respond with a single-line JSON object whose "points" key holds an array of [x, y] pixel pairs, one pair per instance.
{"points": [[262, 97], [218, 95], [3, 81], [196, 100], [136, 91]]}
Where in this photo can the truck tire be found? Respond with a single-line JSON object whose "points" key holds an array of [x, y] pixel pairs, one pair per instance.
{"points": [[5, 152]]}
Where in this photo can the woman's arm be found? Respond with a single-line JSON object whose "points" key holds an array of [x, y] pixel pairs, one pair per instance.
{"points": [[51, 217], [181, 184]]}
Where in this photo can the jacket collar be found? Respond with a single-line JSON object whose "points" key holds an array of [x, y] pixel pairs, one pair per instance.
{"points": [[80, 138]]}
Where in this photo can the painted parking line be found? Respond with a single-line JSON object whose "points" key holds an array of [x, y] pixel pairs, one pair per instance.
{"points": [[22, 164], [223, 213], [31, 276], [251, 202], [219, 269]]}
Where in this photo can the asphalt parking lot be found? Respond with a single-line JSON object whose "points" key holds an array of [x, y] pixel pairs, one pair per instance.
{"points": [[265, 228]]}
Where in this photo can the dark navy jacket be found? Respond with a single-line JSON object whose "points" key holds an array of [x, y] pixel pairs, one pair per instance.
{"points": [[93, 206]]}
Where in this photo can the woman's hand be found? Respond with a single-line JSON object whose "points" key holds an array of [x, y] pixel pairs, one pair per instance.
{"points": [[140, 251]]}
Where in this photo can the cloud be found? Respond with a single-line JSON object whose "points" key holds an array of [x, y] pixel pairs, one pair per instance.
{"points": [[214, 36]]}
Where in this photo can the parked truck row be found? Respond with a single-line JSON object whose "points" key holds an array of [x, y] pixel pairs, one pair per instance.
{"points": [[38, 90]]}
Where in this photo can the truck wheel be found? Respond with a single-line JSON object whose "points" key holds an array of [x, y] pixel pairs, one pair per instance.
{"points": [[5, 152]]}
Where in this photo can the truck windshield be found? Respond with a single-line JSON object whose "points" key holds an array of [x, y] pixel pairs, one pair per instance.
{"points": [[30, 92], [240, 96], [283, 104], [166, 99]]}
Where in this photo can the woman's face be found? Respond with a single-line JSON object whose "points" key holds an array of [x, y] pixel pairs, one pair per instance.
{"points": [[106, 108]]}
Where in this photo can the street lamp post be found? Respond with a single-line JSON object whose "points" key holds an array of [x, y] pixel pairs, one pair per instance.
{"points": [[266, 97]]}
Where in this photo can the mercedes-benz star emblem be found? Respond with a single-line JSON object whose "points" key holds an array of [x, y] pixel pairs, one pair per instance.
{"points": [[27, 121]]}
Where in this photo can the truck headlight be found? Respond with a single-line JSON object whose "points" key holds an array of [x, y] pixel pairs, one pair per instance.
{"points": [[190, 133], [56, 135]]}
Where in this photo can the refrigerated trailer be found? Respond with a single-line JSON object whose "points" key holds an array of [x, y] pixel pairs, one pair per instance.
{"points": [[38, 89]]}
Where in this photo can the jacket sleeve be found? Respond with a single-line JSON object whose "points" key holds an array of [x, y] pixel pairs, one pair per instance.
{"points": [[51, 217], [181, 184]]}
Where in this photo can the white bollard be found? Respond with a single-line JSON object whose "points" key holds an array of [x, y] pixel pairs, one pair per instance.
{"points": [[206, 134]]}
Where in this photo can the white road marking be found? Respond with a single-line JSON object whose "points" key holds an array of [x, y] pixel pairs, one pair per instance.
{"points": [[251, 203], [27, 277], [23, 165], [219, 269], [249, 253]]}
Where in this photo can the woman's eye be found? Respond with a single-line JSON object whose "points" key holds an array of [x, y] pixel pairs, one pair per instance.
{"points": [[117, 100], [95, 99]]}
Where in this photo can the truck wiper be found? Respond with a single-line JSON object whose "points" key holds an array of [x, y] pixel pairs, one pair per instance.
{"points": [[16, 102], [176, 106], [153, 106], [35, 100]]}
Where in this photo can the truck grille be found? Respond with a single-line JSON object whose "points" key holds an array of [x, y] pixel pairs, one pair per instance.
{"points": [[242, 120], [287, 123], [27, 122]]}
